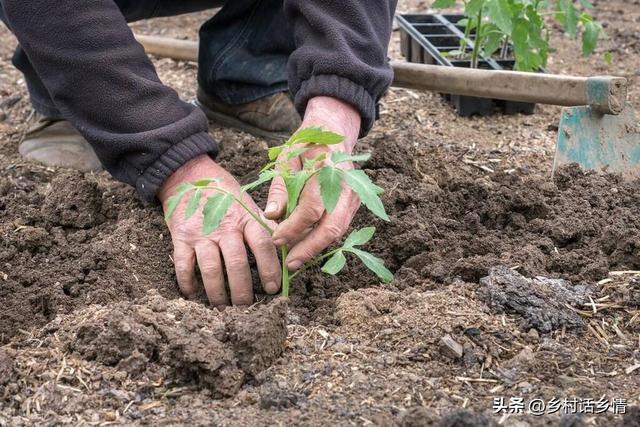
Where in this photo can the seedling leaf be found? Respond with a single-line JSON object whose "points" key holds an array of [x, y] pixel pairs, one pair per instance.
{"points": [[367, 191], [205, 182], [264, 176], [359, 237], [330, 179], [214, 210], [193, 203], [374, 264], [296, 152], [295, 184], [334, 264], [341, 156], [274, 152], [315, 135], [172, 202]]}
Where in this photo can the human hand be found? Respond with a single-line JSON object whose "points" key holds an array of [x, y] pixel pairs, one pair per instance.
{"points": [[226, 243], [310, 228]]}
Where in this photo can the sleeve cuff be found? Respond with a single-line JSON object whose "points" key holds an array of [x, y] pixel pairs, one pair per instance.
{"points": [[150, 181], [340, 88]]}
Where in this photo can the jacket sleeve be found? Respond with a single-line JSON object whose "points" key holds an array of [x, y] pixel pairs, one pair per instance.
{"points": [[341, 51], [101, 80]]}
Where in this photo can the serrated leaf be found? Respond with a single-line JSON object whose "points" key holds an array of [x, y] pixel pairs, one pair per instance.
{"points": [[341, 156], [294, 183], [296, 152], [334, 264], [214, 211], [274, 152], [330, 179], [265, 176], [193, 204], [500, 13], [173, 201], [367, 191], [359, 237], [374, 264], [315, 135]]}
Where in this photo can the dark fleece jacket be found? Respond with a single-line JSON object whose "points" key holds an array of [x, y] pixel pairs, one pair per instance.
{"points": [[101, 80]]}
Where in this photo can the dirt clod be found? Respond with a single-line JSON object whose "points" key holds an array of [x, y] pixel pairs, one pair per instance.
{"points": [[542, 302], [199, 344]]}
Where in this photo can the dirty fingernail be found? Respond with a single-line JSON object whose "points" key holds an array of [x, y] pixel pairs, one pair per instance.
{"points": [[272, 207], [294, 265], [272, 287]]}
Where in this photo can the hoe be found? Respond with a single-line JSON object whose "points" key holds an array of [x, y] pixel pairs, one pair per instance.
{"points": [[598, 128]]}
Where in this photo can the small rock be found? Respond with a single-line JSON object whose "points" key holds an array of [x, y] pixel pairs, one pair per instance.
{"points": [[533, 336], [450, 347]]}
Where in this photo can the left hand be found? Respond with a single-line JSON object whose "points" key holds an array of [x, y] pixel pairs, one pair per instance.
{"points": [[311, 229]]}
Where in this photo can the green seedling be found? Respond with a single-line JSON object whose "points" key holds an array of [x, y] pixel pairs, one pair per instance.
{"points": [[331, 179], [493, 26]]}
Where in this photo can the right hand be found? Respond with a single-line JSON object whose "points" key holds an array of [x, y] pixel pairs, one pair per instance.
{"points": [[226, 243]]}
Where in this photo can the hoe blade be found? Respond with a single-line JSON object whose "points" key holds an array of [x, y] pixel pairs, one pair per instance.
{"points": [[599, 141]]}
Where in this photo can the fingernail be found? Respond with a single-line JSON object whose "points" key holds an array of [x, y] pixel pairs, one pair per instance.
{"points": [[272, 207], [294, 265], [272, 287]]}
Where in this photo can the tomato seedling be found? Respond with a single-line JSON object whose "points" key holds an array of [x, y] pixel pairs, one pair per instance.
{"points": [[331, 179], [493, 26]]}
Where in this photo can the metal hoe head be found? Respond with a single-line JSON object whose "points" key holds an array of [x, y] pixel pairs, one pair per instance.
{"points": [[597, 140]]}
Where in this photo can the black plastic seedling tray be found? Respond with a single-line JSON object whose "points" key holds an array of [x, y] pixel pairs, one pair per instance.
{"points": [[424, 39]]}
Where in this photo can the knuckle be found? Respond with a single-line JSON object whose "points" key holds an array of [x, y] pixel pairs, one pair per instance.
{"points": [[333, 232], [236, 263], [277, 186], [311, 211], [183, 271], [211, 268]]}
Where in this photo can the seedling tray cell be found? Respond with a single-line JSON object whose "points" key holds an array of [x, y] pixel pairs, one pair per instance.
{"points": [[427, 39]]}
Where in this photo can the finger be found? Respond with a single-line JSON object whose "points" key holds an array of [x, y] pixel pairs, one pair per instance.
{"points": [[300, 237], [330, 229], [277, 199], [237, 265], [266, 256], [210, 264], [184, 262], [306, 215]]}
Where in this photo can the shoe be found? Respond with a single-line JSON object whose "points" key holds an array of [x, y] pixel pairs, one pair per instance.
{"points": [[57, 143], [273, 117]]}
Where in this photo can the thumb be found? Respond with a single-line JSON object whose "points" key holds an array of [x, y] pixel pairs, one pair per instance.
{"points": [[277, 200]]}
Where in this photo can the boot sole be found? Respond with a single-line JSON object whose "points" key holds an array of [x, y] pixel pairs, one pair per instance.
{"points": [[224, 120]]}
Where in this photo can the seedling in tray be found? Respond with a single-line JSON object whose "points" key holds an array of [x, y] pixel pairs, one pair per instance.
{"points": [[500, 25], [331, 179]]}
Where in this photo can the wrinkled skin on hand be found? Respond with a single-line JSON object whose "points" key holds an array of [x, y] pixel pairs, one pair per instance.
{"points": [[308, 231], [311, 229], [224, 249]]}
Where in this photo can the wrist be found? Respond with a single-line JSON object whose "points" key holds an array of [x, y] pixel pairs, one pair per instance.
{"points": [[196, 168], [335, 115]]}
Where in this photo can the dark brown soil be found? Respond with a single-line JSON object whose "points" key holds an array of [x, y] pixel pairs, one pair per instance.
{"points": [[93, 329]]}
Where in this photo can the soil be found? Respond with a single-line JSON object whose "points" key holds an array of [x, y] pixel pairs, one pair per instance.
{"points": [[532, 276]]}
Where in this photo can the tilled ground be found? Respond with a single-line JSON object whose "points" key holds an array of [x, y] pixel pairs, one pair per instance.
{"points": [[94, 330]]}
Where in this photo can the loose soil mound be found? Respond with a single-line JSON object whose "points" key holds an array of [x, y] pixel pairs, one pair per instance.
{"points": [[93, 329]]}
